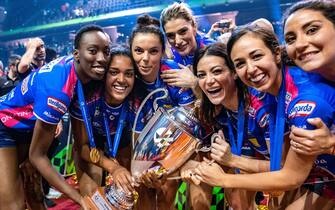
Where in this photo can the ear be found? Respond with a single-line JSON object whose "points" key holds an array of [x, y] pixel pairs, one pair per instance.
{"points": [[278, 55], [76, 55]]}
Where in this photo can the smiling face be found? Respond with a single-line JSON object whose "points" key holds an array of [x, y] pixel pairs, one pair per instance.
{"points": [[310, 41], [216, 80], [256, 65], [181, 35], [147, 51], [92, 56], [120, 79]]}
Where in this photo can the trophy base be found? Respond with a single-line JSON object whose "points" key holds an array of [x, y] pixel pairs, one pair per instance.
{"points": [[98, 201]]}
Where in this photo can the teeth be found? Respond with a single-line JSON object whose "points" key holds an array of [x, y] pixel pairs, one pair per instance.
{"points": [[306, 56], [99, 69], [257, 79], [119, 87]]}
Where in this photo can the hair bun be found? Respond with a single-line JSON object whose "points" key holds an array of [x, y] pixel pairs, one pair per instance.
{"points": [[147, 20]]}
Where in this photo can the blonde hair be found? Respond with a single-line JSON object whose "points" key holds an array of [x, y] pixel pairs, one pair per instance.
{"points": [[175, 11]]}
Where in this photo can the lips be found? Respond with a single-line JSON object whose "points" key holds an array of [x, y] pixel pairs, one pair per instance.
{"points": [[257, 78], [182, 47], [306, 56], [120, 88], [98, 69]]}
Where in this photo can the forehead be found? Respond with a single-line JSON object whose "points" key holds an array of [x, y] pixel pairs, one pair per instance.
{"points": [[302, 17], [147, 40], [173, 25], [209, 61], [120, 59], [247, 42], [97, 38]]}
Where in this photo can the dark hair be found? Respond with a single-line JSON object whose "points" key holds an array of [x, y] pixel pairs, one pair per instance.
{"points": [[208, 111], [13, 58], [51, 54], [121, 49], [147, 24], [83, 30], [326, 7]]}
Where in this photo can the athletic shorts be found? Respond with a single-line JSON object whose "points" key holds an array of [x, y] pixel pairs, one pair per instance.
{"points": [[10, 137]]}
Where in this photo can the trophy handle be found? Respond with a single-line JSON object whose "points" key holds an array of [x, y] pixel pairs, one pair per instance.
{"points": [[141, 107]]}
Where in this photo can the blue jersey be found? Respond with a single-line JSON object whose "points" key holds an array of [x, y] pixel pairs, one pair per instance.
{"points": [[261, 104], [202, 41], [96, 105], [44, 95], [176, 96], [307, 97], [222, 123]]}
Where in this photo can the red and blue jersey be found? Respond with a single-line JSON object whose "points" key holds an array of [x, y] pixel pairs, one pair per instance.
{"points": [[307, 96], [44, 95], [260, 107], [186, 60]]}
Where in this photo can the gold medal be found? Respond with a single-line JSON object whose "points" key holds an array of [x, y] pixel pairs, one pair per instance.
{"points": [[94, 155]]}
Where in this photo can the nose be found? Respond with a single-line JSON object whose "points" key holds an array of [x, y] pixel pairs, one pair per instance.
{"points": [[145, 57], [121, 78], [251, 68], [210, 79], [101, 58], [301, 42], [178, 39]]}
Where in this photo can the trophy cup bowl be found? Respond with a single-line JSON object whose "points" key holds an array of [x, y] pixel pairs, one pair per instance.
{"points": [[166, 143]]}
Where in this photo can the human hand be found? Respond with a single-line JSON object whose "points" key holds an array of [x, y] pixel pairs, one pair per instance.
{"points": [[221, 151], [182, 77], [123, 179], [209, 172], [34, 43], [151, 179], [59, 129], [312, 142], [188, 175]]}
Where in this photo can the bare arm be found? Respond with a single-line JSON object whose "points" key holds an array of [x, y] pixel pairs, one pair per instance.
{"points": [[121, 176], [42, 138], [27, 57], [292, 175]]}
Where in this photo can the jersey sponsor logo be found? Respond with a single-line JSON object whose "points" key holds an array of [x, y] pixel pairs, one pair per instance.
{"points": [[264, 120], [302, 108], [24, 85], [251, 111], [48, 114], [48, 67], [57, 105], [10, 116]]}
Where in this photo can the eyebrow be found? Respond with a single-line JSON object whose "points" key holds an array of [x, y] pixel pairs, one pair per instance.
{"points": [[304, 26]]}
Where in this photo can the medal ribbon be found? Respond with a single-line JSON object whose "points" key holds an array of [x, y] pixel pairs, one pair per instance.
{"points": [[112, 148], [86, 117], [277, 124], [237, 149]]}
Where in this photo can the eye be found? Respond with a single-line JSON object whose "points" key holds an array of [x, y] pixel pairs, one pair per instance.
{"points": [[138, 50], [170, 36], [201, 75], [92, 51], [217, 71], [257, 56], [239, 64], [289, 39], [129, 74], [107, 51], [312, 30], [153, 51], [113, 72], [183, 31]]}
